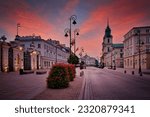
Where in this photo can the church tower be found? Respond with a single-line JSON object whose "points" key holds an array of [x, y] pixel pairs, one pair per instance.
{"points": [[107, 40], [107, 43]]}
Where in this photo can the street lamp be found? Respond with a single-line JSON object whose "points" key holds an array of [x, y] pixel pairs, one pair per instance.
{"points": [[3, 38], [139, 46], [111, 60], [56, 53], [72, 20], [76, 32]]}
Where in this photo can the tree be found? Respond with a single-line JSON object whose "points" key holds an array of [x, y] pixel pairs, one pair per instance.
{"points": [[73, 59]]}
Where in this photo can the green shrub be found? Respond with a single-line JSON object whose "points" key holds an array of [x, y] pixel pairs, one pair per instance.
{"points": [[73, 59], [58, 77]]}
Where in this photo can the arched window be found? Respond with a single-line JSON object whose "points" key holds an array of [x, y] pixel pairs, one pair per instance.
{"points": [[108, 40]]}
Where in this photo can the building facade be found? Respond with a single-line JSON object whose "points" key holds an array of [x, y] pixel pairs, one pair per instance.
{"points": [[15, 55], [4, 48], [115, 57], [89, 61], [11, 57], [137, 48], [112, 54], [42, 54], [107, 44]]}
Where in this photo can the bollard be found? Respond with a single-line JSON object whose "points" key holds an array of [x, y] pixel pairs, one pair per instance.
{"points": [[21, 71], [132, 72], [125, 71], [141, 74], [81, 73]]}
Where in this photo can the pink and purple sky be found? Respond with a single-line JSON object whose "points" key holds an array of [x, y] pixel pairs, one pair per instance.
{"points": [[49, 18]]}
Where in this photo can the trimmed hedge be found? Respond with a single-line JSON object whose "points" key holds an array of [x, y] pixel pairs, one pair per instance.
{"points": [[60, 75], [71, 72]]}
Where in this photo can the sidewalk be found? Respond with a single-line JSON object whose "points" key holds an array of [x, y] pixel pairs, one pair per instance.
{"points": [[130, 71], [70, 93], [21, 87]]}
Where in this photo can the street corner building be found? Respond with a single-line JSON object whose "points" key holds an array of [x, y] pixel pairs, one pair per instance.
{"points": [[42, 54], [137, 48], [31, 53]]}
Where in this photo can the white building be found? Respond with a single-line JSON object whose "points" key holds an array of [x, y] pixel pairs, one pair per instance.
{"points": [[136, 41], [89, 61], [115, 57], [40, 53]]}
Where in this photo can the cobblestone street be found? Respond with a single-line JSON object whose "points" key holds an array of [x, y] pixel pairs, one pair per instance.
{"points": [[95, 84], [108, 84]]}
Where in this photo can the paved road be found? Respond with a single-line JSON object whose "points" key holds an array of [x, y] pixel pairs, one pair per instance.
{"points": [[105, 84], [14, 86]]}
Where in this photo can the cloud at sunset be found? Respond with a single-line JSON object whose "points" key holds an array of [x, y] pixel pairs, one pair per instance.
{"points": [[29, 20], [122, 17], [49, 19]]}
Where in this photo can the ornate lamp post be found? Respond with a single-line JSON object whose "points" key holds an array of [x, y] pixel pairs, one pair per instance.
{"points": [[76, 32], [3, 38], [56, 53], [72, 20], [139, 49]]}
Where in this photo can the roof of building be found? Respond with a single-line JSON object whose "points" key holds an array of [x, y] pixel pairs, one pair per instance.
{"points": [[118, 45], [141, 27], [87, 56], [54, 43], [107, 30], [138, 27]]}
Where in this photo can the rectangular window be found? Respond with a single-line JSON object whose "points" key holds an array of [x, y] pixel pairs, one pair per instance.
{"points": [[44, 46], [39, 45], [147, 39], [44, 63], [121, 55], [130, 62], [108, 40], [147, 30]]}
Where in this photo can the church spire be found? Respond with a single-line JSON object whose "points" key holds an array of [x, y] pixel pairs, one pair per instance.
{"points": [[107, 22], [107, 30]]}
